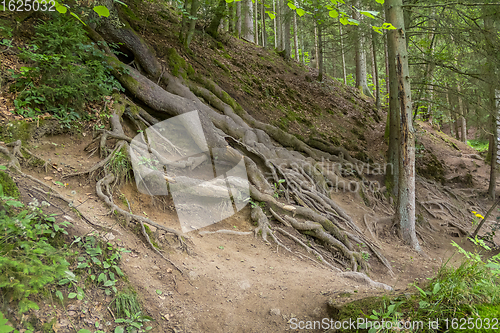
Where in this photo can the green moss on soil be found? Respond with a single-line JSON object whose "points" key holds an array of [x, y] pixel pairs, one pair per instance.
{"points": [[178, 64], [10, 188]]}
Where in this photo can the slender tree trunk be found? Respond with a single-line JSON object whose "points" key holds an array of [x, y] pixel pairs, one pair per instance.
{"points": [[491, 35], [287, 24], [375, 70], [278, 25], [405, 210], [320, 52], [263, 23], [192, 22], [256, 28], [184, 22], [239, 19], [220, 12], [344, 74], [316, 45], [387, 81], [232, 17], [295, 38], [462, 114], [361, 81]]}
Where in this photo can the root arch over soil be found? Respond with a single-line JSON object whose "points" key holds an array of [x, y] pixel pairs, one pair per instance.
{"points": [[292, 178]]}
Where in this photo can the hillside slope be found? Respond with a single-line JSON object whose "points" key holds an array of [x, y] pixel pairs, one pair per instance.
{"points": [[239, 282]]}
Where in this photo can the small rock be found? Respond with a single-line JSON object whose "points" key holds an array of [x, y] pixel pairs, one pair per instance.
{"points": [[71, 313], [193, 275], [275, 312], [156, 268]]}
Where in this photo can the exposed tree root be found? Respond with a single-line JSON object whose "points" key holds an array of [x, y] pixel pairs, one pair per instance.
{"points": [[106, 181], [302, 176]]}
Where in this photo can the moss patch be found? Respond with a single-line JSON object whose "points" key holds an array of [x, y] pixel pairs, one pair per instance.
{"points": [[9, 187], [178, 64]]}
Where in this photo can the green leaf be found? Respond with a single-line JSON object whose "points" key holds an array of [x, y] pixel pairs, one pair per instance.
{"points": [[344, 20], [60, 295], [369, 13], [61, 8], [272, 15], [292, 6], [378, 30], [120, 329], [159, 292], [109, 283], [333, 13], [101, 10], [301, 12], [436, 289], [380, 1], [72, 295], [77, 17], [353, 21], [388, 26]]}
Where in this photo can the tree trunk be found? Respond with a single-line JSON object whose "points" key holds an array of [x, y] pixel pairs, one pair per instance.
{"points": [[263, 24], [239, 19], [295, 38], [387, 80], [232, 18], [220, 12], [461, 111], [375, 70], [192, 22], [256, 28], [361, 81], [275, 26], [405, 210], [287, 23], [495, 119], [320, 52], [344, 74], [279, 26], [247, 23], [316, 45]]}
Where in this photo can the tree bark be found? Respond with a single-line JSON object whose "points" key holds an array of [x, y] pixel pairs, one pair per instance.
{"points": [[295, 38], [263, 24], [247, 23], [320, 52], [405, 210], [361, 81], [275, 21], [256, 28], [316, 45], [461, 110], [287, 22], [220, 12], [239, 19], [192, 22], [344, 74], [375, 70]]}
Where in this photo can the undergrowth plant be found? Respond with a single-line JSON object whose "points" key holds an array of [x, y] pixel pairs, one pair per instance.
{"points": [[454, 299], [30, 258], [64, 72]]}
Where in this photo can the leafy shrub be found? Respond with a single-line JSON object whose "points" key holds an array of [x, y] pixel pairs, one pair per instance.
{"points": [[65, 72], [28, 259], [479, 145]]}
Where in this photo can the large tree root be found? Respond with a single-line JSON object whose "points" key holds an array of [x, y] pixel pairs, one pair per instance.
{"points": [[302, 176]]}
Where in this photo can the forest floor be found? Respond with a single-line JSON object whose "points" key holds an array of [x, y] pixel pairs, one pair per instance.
{"points": [[236, 283]]}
